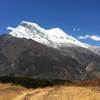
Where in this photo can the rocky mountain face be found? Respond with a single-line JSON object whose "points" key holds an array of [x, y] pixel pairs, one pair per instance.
{"points": [[31, 51], [23, 57], [95, 49]]}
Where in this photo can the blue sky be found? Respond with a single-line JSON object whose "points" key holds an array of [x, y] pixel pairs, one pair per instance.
{"points": [[79, 18]]}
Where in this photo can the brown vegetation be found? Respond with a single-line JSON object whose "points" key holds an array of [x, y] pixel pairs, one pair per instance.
{"points": [[87, 90], [90, 83]]}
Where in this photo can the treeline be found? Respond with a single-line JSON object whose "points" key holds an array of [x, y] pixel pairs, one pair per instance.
{"points": [[32, 83]]}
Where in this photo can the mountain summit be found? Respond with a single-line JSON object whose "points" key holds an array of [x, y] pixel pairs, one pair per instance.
{"points": [[52, 37]]}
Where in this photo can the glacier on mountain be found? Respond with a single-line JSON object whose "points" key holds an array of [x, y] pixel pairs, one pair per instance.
{"points": [[54, 37]]}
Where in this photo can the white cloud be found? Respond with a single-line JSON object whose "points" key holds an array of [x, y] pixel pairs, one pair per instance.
{"points": [[92, 37], [84, 37], [76, 29], [95, 37], [10, 28]]}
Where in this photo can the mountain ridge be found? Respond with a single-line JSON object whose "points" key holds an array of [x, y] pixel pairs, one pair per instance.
{"points": [[54, 37]]}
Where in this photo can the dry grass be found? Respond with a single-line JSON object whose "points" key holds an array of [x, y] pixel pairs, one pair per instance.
{"points": [[75, 92], [9, 92]]}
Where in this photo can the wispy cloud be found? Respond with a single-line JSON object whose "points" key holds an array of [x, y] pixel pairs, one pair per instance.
{"points": [[83, 37], [92, 37], [76, 29]]}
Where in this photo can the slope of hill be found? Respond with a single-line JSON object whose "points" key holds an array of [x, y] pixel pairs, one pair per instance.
{"points": [[22, 57], [27, 58]]}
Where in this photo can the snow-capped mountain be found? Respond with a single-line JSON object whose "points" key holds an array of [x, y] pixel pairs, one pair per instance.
{"points": [[63, 57], [53, 37]]}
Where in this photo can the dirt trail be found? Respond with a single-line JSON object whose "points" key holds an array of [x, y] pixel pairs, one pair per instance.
{"points": [[28, 95], [60, 93]]}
